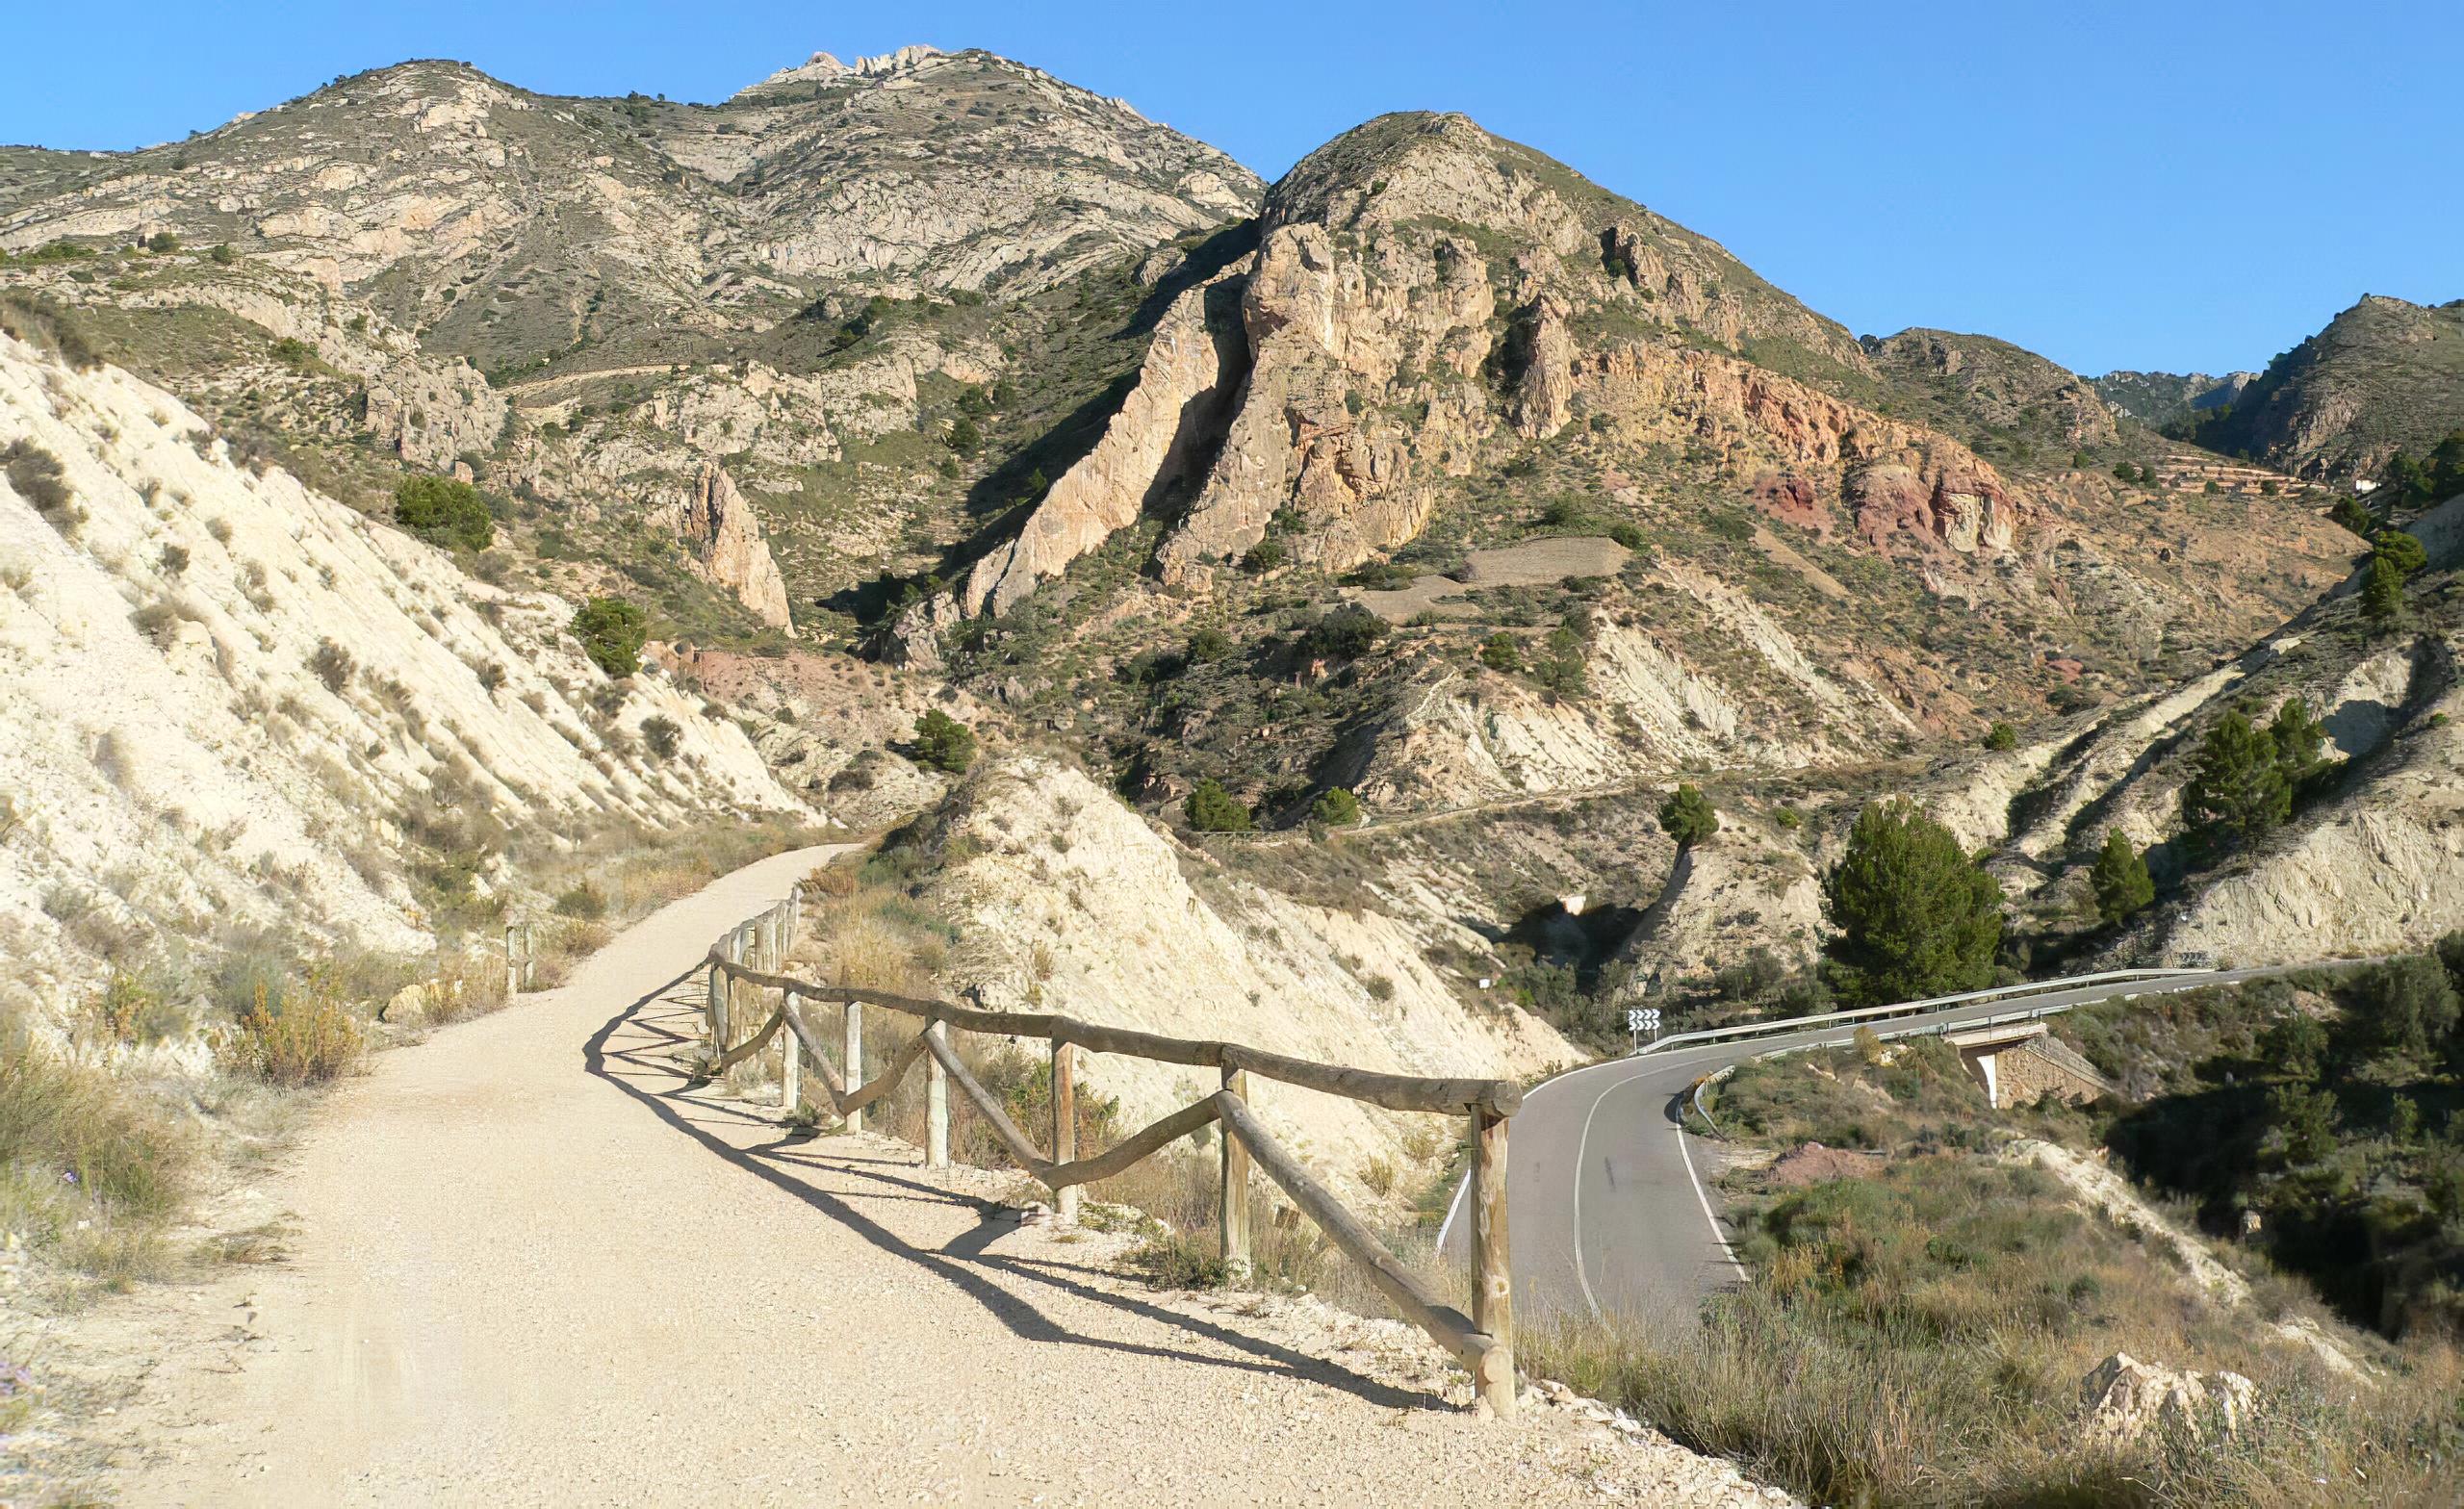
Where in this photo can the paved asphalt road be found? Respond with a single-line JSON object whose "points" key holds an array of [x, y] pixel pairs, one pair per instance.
{"points": [[1608, 1205]]}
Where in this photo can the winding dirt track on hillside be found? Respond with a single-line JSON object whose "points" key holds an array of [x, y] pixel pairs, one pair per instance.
{"points": [[532, 1268]]}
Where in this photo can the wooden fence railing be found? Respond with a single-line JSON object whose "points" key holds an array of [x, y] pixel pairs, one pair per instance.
{"points": [[745, 971]]}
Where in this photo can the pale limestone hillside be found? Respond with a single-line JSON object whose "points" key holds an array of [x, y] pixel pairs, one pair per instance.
{"points": [[1066, 899], [228, 702]]}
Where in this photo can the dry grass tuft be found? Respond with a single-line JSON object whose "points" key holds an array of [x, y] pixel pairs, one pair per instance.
{"points": [[309, 1037]]}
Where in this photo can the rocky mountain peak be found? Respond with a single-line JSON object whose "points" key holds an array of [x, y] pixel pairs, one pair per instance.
{"points": [[825, 68]]}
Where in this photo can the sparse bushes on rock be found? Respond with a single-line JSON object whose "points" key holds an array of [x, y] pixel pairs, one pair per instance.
{"points": [[945, 744], [333, 665], [36, 475], [612, 632]]}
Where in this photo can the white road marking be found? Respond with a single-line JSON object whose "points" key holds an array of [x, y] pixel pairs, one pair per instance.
{"points": [[1686, 1153], [1582, 1148]]}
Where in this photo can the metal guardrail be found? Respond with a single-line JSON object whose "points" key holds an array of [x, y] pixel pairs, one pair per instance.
{"points": [[1920, 1030], [1794, 1024]]}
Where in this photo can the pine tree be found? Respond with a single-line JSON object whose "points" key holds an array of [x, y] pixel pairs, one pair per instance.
{"points": [[944, 743], [2404, 550], [1689, 816], [1212, 810], [2300, 743], [2382, 592], [1916, 916], [2236, 790], [2124, 886]]}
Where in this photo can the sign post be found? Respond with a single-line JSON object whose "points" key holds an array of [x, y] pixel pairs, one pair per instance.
{"points": [[1641, 1020]]}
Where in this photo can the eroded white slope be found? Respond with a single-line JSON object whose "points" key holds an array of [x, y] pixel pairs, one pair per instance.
{"points": [[176, 762]]}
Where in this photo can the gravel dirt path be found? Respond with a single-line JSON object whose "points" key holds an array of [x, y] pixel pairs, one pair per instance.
{"points": [[531, 1268]]}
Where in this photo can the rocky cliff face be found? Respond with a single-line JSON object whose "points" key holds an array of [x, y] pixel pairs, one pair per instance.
{"points": [[229, 702], [717, 524], [577, 301], [1163, 429]]}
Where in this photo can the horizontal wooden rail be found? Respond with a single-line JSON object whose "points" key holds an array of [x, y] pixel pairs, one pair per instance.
{"points": [[1453, 1329], [1393, 1092], [748, 960]]}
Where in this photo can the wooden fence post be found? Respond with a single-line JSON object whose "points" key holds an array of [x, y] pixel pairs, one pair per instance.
{"points": [[854, 1065], [1233, 1214], [1064, 1126], [791, 1062], [937, 1104], [1492, 1281], [713, 1009], [512, 960]]}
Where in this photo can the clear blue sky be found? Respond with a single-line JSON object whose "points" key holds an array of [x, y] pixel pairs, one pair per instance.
{"points": [[2152, 185]]}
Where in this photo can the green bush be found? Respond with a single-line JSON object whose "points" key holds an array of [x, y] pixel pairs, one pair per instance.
{"points": [[162, 241], [1336, 807], [1207, 646], [943, 743], [1264, 556], [1212, 810], [2237, 789], [2403, 551], [1689, 816], [1345, 634], [2001, 736], [612, 632], [584, 900], [661, 735], [1501, 652], [444, 511]]}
